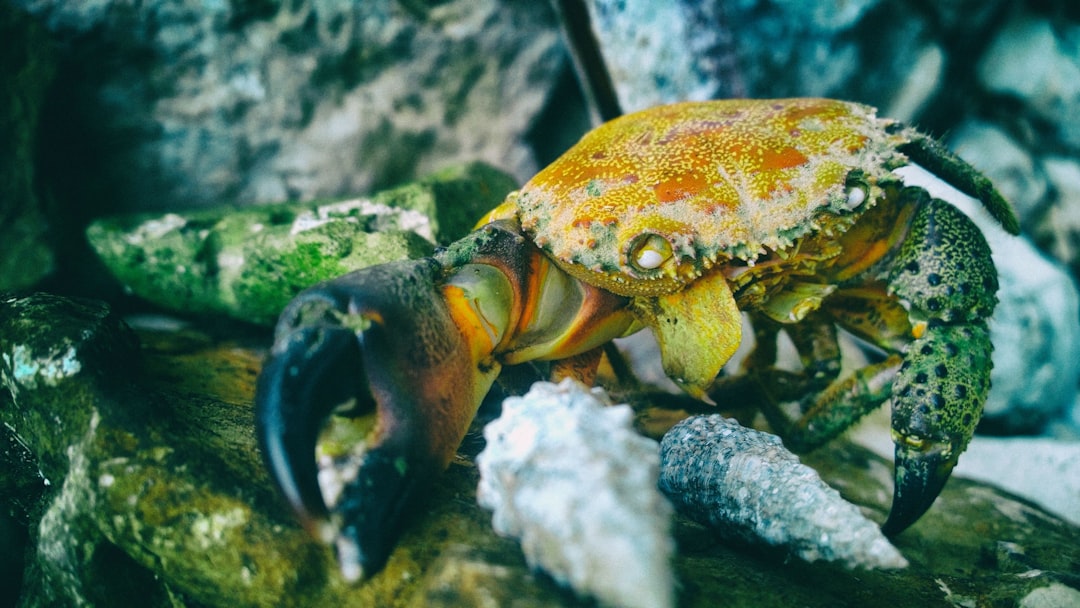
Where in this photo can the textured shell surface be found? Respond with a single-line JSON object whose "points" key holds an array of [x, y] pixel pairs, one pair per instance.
{"points": [[745, 484], [564, 472], [715, 180]]}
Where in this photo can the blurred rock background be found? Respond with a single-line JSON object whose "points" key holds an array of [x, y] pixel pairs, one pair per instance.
{"points": [[174, 105], [109, 106]]}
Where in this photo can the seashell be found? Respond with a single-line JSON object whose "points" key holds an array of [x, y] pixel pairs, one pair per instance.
{"points": [[565, 473], [746, 485]]}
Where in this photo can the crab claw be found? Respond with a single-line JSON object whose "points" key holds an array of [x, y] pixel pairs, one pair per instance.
{"points": [[920, 474], [380, 338]]}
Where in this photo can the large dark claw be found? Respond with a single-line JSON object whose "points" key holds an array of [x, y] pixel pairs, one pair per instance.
{"points": [[920, 475], [380, 338], [312, 371]]}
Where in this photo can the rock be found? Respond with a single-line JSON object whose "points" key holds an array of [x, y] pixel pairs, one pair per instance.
{"points": [[1037, 61], [922, 83], [1054, 595], [1044, 470], [118, 476], [26, 71], [248, 263], [794, 48], [463, 575], [182, 104], [157, 498], [658, 53], [959, 16], [735, 49], [564, 472], [1059, 227], [1037, 360]]}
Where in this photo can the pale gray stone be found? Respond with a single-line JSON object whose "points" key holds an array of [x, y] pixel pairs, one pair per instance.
{"points": [[201, 103], [1038, 61]]}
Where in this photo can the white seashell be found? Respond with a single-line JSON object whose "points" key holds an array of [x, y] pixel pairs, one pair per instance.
{"points": [[745, 484], [565, 473]]}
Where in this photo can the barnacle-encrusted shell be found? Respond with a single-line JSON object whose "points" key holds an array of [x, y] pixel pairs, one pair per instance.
{"points": [[566, 474], [716, 180], [746, 484]]}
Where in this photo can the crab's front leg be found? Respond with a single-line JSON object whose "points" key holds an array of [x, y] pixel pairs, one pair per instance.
{"points": [[379, 339], [945, 274], [929, 307], [420, 343]]}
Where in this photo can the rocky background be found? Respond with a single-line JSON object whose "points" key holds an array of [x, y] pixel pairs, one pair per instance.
{"points": [[110, 106]]}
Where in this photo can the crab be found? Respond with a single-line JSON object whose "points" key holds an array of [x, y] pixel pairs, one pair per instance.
{"points": [[680, 219]]}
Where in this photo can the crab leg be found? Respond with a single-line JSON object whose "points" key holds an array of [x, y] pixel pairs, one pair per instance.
{"points": [[420, 343], [343, 345], [939, 376], [943, 271]]}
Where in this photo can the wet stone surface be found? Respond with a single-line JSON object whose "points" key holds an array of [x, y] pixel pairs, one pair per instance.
{"points": [[156, 495]]}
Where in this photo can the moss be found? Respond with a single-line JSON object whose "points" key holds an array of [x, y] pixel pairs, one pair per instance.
{"points": [[158, 494], [247, 263], [54, 349], [467, 193], [272, 275]]}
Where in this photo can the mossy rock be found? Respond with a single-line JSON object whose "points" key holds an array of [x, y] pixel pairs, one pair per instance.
{"points": [[156, 495], [247, 263]]}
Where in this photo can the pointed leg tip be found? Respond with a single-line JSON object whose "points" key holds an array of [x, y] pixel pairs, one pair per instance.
{"points": [[920, 475], [900, 520]]}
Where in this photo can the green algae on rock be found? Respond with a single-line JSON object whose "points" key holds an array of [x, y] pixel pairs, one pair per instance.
{"points": [[248, 262], [161, 487], [156, 497]]}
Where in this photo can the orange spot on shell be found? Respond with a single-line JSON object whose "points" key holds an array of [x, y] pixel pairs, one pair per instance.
{"points": [[679, 187], [786, 158]]}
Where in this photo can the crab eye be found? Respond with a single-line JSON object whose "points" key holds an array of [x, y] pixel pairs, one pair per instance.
{"points": [[855, 197], [858, 189], [649, 251]]}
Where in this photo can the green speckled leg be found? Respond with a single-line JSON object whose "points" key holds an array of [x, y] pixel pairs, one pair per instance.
{"points": [[945, 281], [829, 406], [933, 155], [761, 382], [840, 405], [945, 273], [833, 406]]}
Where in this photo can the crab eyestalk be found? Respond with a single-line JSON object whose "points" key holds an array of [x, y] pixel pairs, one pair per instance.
{"points": [[381, 338]]}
